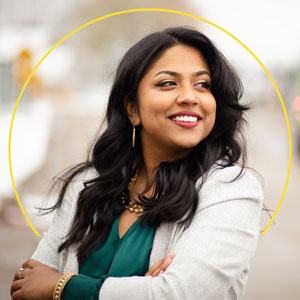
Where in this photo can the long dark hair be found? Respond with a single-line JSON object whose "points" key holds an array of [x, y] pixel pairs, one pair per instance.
{"points": [[176, 196]]}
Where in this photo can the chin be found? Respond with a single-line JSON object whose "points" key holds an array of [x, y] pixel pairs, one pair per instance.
{"points": [[187, 146], [192, 143]]}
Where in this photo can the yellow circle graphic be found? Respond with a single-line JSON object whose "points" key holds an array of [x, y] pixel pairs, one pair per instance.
{"points": [[138, 10]]}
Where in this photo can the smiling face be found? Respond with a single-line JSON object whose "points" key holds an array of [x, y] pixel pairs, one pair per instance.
{"points": [[176, 108]]}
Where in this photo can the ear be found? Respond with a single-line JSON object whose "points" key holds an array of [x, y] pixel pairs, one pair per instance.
{"points": [[132, 111]]}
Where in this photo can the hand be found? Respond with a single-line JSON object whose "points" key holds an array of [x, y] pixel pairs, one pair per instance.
{"points": [[161, 266], [37, 283]]}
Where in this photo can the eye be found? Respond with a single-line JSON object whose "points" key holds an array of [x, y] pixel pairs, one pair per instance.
{"points": [[166, 83], [204, 84]]}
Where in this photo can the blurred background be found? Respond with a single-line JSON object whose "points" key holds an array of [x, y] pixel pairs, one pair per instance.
{"points": [[62, 110]]}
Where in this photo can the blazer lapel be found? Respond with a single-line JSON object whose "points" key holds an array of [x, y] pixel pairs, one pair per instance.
{"points": [[164, 234]]}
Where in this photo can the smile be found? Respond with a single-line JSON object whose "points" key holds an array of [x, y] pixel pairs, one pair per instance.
{"points": [[186, 121]]}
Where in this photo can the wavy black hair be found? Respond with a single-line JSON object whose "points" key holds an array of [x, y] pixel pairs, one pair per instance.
{"points": [[175, 197]]}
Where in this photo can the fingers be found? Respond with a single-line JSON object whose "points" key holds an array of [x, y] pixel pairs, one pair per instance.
{"points": [[17, 279], [160, 266], [17, 295], [31, 263], [163, 267], [155, 267], [16, 285], [25, 272], [20, 274], [166, 263], [16, 276]]}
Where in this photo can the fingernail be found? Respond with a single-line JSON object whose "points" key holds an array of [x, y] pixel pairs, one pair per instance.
{"points": [[161, 272]]}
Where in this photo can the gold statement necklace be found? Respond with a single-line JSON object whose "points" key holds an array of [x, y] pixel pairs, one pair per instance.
{"points": [[130, 204]]}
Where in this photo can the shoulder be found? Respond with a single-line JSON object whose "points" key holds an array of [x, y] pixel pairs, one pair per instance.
{"points": [[46, 251], [77, 183], [220, 173], [229, 183], [86, 175]]}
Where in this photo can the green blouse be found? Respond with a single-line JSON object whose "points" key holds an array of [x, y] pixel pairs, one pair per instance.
{"points": [[117, 257]]}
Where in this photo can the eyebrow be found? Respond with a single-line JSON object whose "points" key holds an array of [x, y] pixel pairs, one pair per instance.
{"points": [[175, 74]]}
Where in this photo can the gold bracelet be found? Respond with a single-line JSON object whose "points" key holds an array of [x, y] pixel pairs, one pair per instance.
{"points": [[61, 284]]}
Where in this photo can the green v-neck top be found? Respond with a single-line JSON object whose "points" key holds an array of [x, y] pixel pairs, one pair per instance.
{"points": [[117, 257]]}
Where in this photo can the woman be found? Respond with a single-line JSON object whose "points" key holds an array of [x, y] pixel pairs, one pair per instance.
{"points": [[164, 208]]}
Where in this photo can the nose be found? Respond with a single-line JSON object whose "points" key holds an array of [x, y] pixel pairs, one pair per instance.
{"points": [[186, 95]]}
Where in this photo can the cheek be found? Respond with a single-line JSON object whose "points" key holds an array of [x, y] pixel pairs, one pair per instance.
{"points": [[213, 111], [210, 110], [153, 108], [212, 122]]}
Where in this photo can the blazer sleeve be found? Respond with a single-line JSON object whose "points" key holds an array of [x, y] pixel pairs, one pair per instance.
{"points": [[212, 252], [46, 251]]}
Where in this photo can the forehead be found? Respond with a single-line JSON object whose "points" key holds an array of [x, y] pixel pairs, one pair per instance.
{"points": [[180, 57]]}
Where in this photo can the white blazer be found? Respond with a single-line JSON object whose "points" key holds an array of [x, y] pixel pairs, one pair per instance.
{"points": [[211, 256]]}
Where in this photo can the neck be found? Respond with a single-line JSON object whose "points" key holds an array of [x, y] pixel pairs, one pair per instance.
{"points": [[153, 156]]}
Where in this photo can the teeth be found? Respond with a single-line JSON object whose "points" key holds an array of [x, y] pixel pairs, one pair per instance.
{"points": [[185, 119]]}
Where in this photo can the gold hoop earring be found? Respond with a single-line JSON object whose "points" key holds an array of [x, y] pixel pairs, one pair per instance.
{"points": [[133, 136]]}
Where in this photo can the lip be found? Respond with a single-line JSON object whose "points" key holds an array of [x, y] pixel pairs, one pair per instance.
{"points": [[183, 123]]}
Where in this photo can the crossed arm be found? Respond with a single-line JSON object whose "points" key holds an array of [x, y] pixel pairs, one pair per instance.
{"points": [[38, 280], [211, 254]]}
